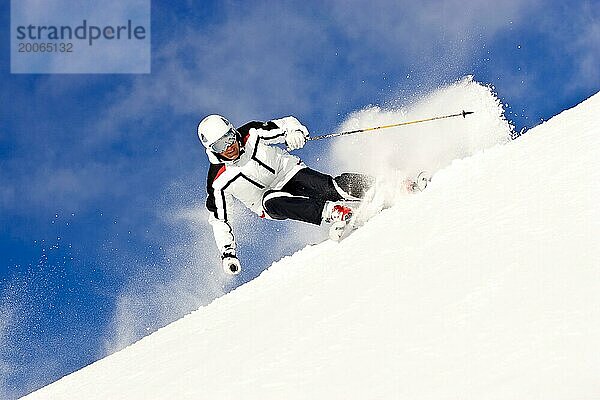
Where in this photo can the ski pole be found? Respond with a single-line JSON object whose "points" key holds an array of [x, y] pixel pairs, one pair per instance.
{"points": [[330, 135]]}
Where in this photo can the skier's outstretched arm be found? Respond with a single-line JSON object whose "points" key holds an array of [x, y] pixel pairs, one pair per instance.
{"points": [[222, 232], [223, 235], [226, 244]]}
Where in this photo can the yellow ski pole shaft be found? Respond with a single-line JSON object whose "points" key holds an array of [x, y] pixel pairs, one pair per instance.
{"points": [[418, 121]]}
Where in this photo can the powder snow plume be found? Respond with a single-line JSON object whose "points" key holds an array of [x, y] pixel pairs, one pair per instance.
{"points": [[426, 146]]}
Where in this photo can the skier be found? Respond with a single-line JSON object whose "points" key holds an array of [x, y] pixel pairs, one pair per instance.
{"points": [[268, 180]]}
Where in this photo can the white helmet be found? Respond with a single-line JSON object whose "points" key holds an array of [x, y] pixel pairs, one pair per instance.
{"points": [[216, 133]]}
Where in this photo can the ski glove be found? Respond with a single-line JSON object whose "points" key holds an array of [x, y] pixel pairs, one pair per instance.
{"points": [[295, 133], [296, 139], [231, 265]]}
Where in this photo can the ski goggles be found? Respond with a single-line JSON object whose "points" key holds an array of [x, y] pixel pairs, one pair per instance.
{"points": [[221, 144]]}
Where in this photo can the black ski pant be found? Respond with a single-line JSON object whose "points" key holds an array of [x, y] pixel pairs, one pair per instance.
{"points": [[302, 198]]}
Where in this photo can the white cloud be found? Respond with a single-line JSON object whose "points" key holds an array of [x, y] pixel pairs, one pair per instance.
{"points": [[250, 65], [585, 49], [60, 187], [422, 33]]}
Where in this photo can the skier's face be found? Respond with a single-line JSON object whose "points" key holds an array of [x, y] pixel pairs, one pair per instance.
{"points": [[232, 152]]}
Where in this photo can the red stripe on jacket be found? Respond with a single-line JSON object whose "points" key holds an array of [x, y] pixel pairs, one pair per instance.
{"points": [[220, 172], [245, 138]]}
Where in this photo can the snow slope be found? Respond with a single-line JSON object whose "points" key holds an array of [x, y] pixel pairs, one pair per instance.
{"points": [[485, 286]]}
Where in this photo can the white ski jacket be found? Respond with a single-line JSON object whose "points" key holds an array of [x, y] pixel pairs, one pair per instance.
{"points": [[259, 168]]}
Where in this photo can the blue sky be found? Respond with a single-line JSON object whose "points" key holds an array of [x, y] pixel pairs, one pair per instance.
{"points": [[95, 170]]}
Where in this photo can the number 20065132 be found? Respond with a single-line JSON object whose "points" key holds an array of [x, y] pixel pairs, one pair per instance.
{"points": [[26, 47]]}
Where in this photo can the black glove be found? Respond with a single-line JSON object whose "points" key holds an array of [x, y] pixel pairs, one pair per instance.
{"points": [[231, 264]]}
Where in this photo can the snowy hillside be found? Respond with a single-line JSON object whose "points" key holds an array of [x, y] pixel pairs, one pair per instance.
{"points": [[485, 286]]}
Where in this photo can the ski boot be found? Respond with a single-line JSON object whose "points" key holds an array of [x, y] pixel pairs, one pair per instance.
{"points": [[339, 216]]}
